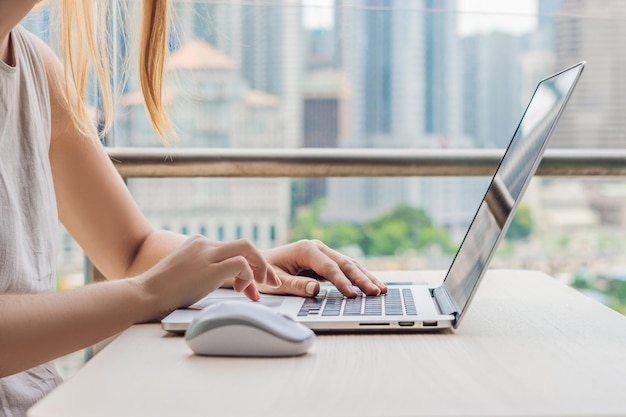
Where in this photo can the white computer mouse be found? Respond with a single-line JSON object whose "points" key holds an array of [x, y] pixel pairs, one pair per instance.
{"points": [[245, 328]]}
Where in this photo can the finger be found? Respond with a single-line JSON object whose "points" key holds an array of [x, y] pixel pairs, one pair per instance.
{"points": [[246, 249], [325, 266], [376, 281], [295, 285], [272, 280], [238, 268], [252, 292], [356, 273]]}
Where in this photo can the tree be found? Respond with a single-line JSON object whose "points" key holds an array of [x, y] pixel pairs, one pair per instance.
{"points": [[306, 222], [385, 238], [341, 235], [391, 233]]}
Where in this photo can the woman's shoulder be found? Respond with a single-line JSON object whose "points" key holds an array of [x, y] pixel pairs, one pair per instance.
{"points": [[34, 57], [55, 79], [50, 61], [28, 45]]}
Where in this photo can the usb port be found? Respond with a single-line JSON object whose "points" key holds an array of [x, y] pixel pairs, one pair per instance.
{"points": [[406, 323], [429, 324]]}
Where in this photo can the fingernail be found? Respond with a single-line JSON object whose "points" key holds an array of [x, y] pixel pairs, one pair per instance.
{"points": [[311, 288], [277, 282], [257, 294]]}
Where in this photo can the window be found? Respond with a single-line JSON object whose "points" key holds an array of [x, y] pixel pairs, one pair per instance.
{"points": [[255, 233]]}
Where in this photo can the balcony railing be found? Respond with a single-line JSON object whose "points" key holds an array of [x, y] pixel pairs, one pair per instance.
{"points": [[326, 162], [320, 162]]}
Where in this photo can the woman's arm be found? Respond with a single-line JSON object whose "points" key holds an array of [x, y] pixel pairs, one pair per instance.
{"points": [[168, 270], [40, 327]]}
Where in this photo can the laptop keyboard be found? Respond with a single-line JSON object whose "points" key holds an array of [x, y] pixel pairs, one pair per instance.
{"points": [[330, 302]]}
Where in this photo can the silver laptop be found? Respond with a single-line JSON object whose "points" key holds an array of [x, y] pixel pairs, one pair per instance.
{"points": [[414, 307]]}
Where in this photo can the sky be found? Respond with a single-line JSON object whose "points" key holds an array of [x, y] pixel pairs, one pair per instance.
{"points": [[319, 15], [513, 16]]}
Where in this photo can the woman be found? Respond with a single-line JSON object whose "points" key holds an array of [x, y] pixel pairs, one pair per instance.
{"points": [[53, 167]]}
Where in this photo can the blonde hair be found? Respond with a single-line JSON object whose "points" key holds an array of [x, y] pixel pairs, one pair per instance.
{"points": [[86, 45]]}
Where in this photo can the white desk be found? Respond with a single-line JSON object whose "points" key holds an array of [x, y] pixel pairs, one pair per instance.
{"points": [[528, 346]]}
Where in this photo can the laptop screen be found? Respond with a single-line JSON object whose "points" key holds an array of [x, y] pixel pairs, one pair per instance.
{"points": [[517, 167]]}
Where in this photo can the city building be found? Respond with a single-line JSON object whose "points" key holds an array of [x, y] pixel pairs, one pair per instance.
{"points": [[492, 104], [595, 114], [379, 46], [212, 107], [402, 61], [327, 99], [264, 39]]}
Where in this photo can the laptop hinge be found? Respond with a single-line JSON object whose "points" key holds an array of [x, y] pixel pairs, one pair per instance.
{"points": [[444, 301]]}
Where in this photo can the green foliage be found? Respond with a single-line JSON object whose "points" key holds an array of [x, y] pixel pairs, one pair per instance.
{"points": [[403, 228], [582, 279], [385, 238], [297, 196], [306, 224], [522, 224], [340, 235], [580, 283], [438, 236], [617, 306], [617, 290]]}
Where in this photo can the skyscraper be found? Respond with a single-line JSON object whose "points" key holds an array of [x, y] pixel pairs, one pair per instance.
{"points": [[546, 28], [595, 114], [443, 70], [492, 104], [379, 46], [327, 101], [403, 64]]}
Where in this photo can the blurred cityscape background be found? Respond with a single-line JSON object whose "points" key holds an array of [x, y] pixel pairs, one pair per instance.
{"points": [[429, 74]]}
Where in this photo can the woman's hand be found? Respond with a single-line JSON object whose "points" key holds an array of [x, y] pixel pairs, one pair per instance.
{"points": [[200, 266], [323, 261]]}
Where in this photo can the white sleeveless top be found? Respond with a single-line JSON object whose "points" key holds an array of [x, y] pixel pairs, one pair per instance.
{"points": [[29, 221]]}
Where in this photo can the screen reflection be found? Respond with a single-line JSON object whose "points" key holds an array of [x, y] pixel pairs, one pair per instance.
{"points": [[515, 171]]}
